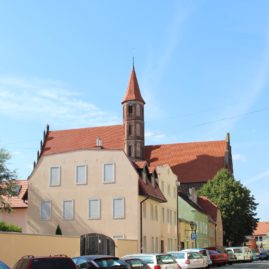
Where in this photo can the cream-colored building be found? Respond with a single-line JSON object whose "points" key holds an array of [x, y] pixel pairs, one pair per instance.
{"points": [[105, 185], [95, 183]]}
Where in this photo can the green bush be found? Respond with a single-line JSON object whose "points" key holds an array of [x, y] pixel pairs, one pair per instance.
{"points": [[5, 227]]}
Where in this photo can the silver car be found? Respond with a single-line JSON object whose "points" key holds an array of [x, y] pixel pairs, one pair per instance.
{"points": [[156, 260]]}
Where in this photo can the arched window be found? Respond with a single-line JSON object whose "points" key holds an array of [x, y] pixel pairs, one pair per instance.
{"points": [[138, 150]]}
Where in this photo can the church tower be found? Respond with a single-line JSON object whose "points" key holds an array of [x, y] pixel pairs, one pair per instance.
{"points": [[133, 119]]}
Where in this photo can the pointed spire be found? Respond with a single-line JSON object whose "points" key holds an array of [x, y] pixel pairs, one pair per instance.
{"points": [[133, 91]]}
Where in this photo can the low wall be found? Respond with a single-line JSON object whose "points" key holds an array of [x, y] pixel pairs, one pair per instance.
{"points": [[123, 247], [15, 245]]}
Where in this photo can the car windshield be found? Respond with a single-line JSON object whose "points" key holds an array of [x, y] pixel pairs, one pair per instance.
{"points": [[237, 250], [147, 259], [203, 252], [165, 259], [194, 255], [178, 255]]}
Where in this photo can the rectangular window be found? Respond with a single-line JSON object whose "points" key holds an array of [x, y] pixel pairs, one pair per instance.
{"points": [[109, 173], [156, 245], [163, 214], [118, 208], [152, 245], [130, 109], [145, 210], [156, 212], [151, 212], [175, 217], [45, 210], [68, 210], [81, 174], [55, 176], [94, 209], [144, 244]]}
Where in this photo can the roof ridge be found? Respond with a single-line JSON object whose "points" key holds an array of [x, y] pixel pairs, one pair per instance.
{"points": [[84, 128]]}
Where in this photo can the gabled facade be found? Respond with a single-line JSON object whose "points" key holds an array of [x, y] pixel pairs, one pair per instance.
{"points": [[19, 204], [191, 213], [261, 235], [105, 180], [216, 227]]}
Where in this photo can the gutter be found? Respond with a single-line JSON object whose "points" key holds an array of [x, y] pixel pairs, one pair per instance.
{"points": [[141, 226]]}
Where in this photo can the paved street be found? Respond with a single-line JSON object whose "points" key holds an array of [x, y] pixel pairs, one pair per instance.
{"points": [[256, 264]]}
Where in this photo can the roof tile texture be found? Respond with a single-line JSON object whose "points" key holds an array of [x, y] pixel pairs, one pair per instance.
{"points": [[262, 228]]}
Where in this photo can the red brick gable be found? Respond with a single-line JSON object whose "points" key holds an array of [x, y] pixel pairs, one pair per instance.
{"points": [[210, 208], [262, 228], [84, 138], [191, 162]]}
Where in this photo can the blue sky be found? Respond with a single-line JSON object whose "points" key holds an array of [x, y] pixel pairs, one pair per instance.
{"points": [[202, 66]]}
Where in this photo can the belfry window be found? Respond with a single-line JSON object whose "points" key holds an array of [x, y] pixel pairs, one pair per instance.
{"points": [[130, 109], [130, 129], [130, 150]]}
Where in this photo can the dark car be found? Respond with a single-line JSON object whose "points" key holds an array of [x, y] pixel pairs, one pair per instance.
{"points": [[3, 265], [100, 261], [136, 263], [41, 262], [263, 255]]}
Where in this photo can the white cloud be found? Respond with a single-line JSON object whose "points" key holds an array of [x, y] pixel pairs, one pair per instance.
{"points": [[49, 101], [239, 157]]}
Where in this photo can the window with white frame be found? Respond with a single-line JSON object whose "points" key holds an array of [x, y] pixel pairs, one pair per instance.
{"points": [[68, 210], [81, 174], [94, 208], [109, 173], [118, 208], [163, 215], [151, 211], [152, 244], [45, 210], [156, 212], [55, 176]]}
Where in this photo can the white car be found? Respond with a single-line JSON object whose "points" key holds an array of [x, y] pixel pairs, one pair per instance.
{"points": [[189, 259], [204, 252], [156, 260]]}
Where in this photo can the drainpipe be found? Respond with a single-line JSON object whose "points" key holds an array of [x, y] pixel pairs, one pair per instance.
{"points": [[141, 226]]}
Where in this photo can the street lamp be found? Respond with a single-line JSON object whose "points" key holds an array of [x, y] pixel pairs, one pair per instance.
{"points": [[193, 226], [178, 239]]}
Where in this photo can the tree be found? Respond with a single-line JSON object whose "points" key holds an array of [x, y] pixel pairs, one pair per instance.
{"points": [[237, 206], [5, 227], [6, 180], [58, 230]]}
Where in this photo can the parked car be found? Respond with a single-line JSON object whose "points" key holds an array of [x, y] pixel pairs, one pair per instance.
{"points": [[242, 253], [99, 261], [205, 254], [264, 255], [189, 259], [231, 257], [38, 262], [3, 265], [136, 263], [218, 258], [156, 260]]}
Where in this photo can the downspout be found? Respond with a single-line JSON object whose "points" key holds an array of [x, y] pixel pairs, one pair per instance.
{"points": [[141, 226]]}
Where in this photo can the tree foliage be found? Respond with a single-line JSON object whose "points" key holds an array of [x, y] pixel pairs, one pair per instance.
{"points": [[5, 227], [58, 230], [6, 180], [237, 206]]}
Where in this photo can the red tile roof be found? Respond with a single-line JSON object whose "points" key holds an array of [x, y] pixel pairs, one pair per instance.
{"points": [[210, 208], [84, 138], [19, 200], [191, 162], [133, 91], [262, 228], [146, 189]]}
